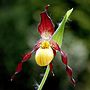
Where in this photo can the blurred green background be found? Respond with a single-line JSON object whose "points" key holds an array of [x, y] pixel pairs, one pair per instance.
{"points": [[18, 34]]}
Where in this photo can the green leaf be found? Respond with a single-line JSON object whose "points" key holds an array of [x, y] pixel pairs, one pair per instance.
{"points": [[58, 35]]}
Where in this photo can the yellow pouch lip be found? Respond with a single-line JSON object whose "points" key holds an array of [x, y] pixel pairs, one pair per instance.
{"points": [[43, 57]]}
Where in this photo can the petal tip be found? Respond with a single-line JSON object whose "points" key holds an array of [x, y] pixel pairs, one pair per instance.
{"points": [[46, 7]]}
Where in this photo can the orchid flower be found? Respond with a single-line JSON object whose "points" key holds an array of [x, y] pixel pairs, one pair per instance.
{"points": [[46, 48]]}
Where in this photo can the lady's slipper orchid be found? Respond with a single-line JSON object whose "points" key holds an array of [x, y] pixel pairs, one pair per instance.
{"points": [[46, 48]]}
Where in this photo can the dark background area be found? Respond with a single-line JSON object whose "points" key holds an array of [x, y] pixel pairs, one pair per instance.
{"points": [[18, 34]]}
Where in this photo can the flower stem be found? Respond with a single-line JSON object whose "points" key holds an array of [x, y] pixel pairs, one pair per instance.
{"points": [[44, 78]]}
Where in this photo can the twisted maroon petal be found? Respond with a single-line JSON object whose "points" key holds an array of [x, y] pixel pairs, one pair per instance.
{"points": [[70, 72], [51, 68], [64, 57], [18, 69], [45, 27], [24, 59], [19, 66], [46, 7], [54, 45], [68, 69], [73, 81]]}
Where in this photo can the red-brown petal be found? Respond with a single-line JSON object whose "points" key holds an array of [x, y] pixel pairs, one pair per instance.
{"points": [[69, 71], [46, 7], [45, 27], [51, 68], [54, 45], [73, 81], [64, 57], [26, 57], [19, 66], [18, 69]]}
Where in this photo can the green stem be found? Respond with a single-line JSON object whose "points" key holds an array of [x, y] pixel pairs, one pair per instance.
{"points": [[44, 78]]}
